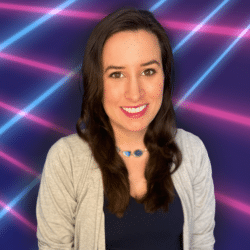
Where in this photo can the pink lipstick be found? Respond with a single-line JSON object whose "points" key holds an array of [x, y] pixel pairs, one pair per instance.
{"points": [[135, 115]]}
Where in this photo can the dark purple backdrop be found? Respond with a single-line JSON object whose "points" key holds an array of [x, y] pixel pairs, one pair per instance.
{"points": [[217, 110]]}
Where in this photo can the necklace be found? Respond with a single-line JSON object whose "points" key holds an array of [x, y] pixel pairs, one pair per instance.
{"points": [[137, 153]]}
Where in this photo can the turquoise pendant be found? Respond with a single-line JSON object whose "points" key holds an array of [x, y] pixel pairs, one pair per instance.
{"points": [[137, 153], [127, 153]]}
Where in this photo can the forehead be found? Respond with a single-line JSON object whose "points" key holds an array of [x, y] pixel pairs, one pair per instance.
{"points": [[131, 47]]}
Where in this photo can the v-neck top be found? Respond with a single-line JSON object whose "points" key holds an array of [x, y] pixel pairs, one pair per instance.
{"points": [[138, 230]]}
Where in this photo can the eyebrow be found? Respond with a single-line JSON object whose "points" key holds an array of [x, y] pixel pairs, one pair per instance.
{"points": [[143, 64]]}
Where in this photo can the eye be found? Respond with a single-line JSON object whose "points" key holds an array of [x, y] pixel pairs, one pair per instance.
{"points": [[151, 72], [115, 74]]}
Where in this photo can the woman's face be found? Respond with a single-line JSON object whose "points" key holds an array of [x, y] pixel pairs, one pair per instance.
{"points": [[132, 84]]}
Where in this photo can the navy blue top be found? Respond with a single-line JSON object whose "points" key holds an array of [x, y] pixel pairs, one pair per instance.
{"points": [[141, 231]]}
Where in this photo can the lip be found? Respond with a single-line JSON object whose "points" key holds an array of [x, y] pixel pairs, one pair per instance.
{"points": [[127, 107], [136, 115]]}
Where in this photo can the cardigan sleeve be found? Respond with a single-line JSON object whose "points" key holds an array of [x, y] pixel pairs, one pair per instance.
{"points": [[56, 202], [204, 203]]}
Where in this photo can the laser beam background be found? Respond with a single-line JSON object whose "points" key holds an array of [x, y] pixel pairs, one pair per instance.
{"points": [[41, 48]]}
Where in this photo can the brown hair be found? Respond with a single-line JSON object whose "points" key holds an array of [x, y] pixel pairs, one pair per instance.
{"points": [[98, 132]]}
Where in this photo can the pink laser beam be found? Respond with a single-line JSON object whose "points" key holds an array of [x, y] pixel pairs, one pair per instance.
{"points": [[19, 164], [225, 115], [245, 208], [36, 119], [37, 9], [219, 30], [18, 216], [35, 64]]}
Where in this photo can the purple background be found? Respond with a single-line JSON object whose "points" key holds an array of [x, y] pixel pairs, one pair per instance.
{"points": [[60, 42]]}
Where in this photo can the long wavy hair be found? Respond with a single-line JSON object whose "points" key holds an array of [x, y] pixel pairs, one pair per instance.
{"points": [[94, 126]]}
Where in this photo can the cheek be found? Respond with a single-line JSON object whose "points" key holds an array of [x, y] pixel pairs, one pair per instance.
{"points": [[157, 90], [111, 95], [161, 86]]}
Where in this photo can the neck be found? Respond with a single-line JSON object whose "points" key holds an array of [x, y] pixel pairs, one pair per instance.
{"points": [[130, 140]]}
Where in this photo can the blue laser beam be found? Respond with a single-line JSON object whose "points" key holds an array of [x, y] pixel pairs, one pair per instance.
{"points": [[34, 25], [157, 5], [199, 26], [19, 197], [208, 71], [36, 102]]}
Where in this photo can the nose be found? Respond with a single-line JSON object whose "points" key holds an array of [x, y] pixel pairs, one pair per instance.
{"points": [[134, 89]]}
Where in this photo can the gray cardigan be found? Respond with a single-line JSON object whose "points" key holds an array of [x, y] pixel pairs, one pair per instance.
{"points": [[70, 200]]}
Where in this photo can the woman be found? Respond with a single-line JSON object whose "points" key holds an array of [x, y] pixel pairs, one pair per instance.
{"points": [[128, 179]]}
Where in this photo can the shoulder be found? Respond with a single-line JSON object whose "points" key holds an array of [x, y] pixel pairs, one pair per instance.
{"points": [[187, 141], [71, 145], [183, 136], [70, 158], [191, 146], [193, 150]]}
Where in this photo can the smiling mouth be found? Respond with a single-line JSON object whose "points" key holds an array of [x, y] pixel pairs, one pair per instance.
{"points": [[135, 110], [135, 106]]}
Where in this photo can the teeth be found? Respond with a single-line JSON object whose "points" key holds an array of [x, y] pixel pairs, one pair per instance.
{"points": [[133, 110]]}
